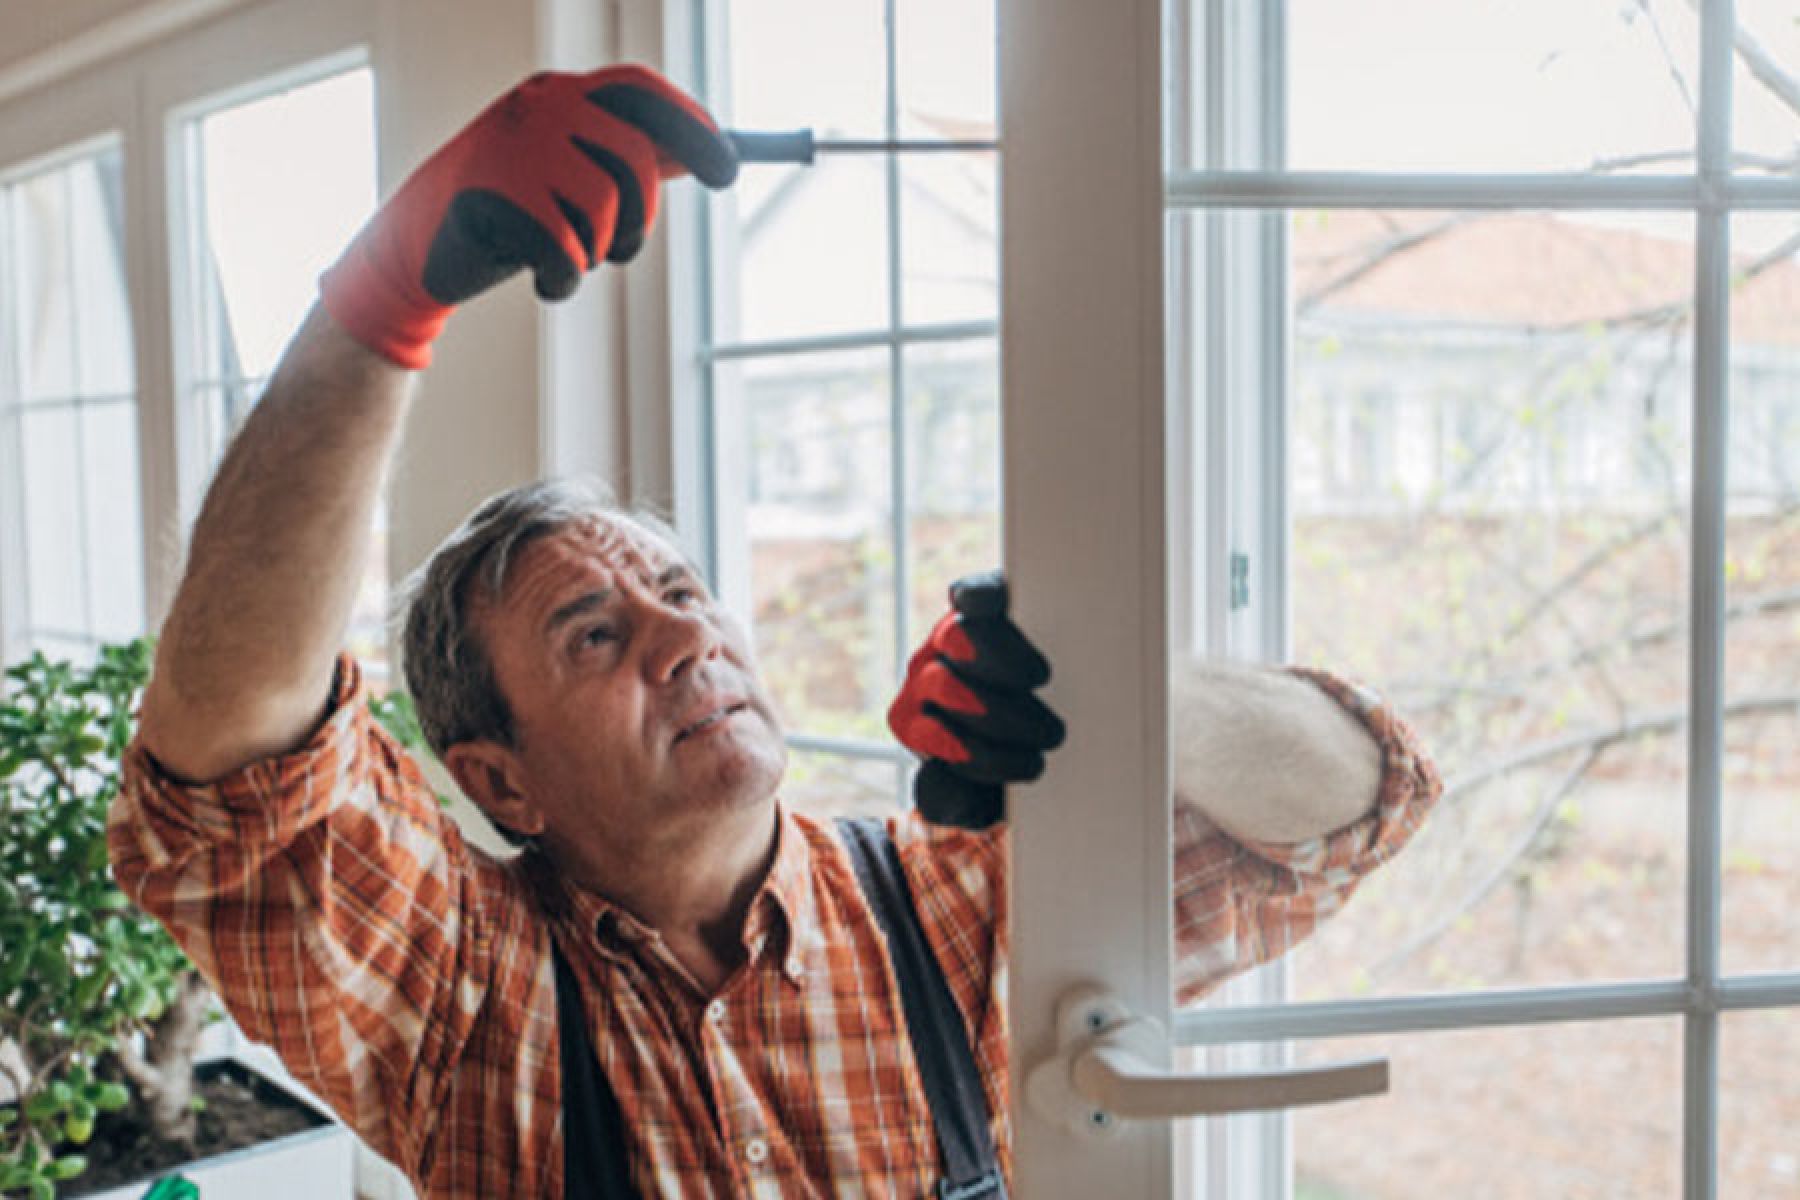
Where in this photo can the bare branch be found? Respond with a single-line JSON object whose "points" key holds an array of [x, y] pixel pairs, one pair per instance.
{"points": [[1430, 694], [1661, 722], [1669, 60], [1781, 83], [1573, 577], [1774, 164], [1762, 65], [136, 1067], [1400, 243], [1541, 816]]}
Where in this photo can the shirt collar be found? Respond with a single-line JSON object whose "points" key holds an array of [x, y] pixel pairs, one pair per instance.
{"points": [[784, 905]]}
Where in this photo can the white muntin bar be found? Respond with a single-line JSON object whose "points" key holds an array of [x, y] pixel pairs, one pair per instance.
{"points": [[1756, 192], [1407, 1014], [849, 748], [1757, 991], [1706, 633], [954, 331], [1353, 189]]}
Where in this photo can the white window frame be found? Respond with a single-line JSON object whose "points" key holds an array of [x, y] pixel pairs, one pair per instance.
{"points": [[157, 60], [1224, 181], [17, 627], [1101, 524], [708, 459], [37, 134]]}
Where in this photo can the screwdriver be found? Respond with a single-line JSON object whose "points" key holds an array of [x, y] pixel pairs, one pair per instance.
{"points": [[799, 146]]}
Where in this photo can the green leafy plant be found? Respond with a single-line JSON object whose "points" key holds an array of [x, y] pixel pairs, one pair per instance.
{"points": [[99, 1008], [82, 974]]}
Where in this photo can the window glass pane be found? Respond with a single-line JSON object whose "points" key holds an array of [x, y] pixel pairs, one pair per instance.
{"points": [[1765, 107], [953, 470], [96, 218], [287, 179], [115, 535], [1761, 885], [1759, 1104], [1590, 1109], [946, 54], [63, 649], [50, 469], [76, 495], [283, 182], [801, 251], [43, 292], [1472, 85], [814, 430], [818, 64], [832, 785], [949, 212], [1489, 462]]}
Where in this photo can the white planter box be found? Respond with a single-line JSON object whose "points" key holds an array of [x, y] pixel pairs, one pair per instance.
{"points": [[315, 1164]]}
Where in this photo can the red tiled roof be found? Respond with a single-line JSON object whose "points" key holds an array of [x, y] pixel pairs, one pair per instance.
{"points": [[1518, 269]]}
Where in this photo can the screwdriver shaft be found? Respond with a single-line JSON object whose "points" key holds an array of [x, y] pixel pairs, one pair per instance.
{"points": [[800, 146]]}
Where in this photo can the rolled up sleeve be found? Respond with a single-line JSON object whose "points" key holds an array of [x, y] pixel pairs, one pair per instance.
{"points": [[330, 903], [1240, 903]]}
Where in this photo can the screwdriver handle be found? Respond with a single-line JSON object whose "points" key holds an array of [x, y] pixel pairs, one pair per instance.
{"points": [[783, 146]]}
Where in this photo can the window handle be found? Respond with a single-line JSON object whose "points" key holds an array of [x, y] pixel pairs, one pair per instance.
{"points": [[1103, 1071]]}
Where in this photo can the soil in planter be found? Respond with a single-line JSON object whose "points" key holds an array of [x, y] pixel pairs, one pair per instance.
{"points": [[242, 1109]]}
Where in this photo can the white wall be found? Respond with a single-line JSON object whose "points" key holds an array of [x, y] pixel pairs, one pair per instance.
{"points": [[29, 26]]}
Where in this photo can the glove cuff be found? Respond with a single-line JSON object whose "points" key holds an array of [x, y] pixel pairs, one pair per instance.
{"points": [[385, 314]]}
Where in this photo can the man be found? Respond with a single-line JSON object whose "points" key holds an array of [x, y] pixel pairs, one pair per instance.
{"points": [[713, 953]]}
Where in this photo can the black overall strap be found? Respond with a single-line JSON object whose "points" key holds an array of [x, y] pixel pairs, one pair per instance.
{"points": [[940, 1040], [595, 1164]]}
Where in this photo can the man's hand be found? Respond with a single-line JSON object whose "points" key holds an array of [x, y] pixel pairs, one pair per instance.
{"points": [[559, 173], [967, 707]]}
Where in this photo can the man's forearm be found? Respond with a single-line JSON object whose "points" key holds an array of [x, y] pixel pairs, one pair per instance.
{"points": [[245, 661], [1266, 755]]}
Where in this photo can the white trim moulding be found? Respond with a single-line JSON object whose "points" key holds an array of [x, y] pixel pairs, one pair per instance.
{"points": [[135, 28], [867, 340]]}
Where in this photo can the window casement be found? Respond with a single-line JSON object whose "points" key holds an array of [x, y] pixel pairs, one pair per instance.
{"points": [[841, 461], [1571, 606], [72, 544], [1352, 367]]}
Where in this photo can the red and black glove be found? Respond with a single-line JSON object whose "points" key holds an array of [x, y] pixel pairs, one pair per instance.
{"points": [[967, 706], [557, 174]]}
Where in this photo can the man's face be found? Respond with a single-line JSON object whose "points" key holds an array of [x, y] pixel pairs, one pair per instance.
{"points": [[636, 705]]}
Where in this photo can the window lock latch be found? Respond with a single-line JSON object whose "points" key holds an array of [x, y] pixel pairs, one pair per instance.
{"points": [[1240, 580], [1105, 1069]]}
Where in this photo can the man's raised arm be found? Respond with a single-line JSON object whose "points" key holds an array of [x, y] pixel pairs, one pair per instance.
{"points": [[245, 661], [557, 175]]}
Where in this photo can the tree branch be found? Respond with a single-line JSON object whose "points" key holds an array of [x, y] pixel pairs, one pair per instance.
{"points": [[1774, 164], [1399, 243], [1784, 85], [1541, 816], [1660, 722], [1662, 44]]}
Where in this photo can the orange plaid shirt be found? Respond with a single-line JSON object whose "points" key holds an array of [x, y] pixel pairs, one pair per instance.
{"points": [[406, 976]]}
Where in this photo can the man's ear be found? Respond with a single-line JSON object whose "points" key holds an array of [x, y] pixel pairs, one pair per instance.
{"points": [[489, 774]]}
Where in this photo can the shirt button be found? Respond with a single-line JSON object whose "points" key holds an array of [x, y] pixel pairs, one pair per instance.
{"points": [[716, 1010], [756, 1151]]}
